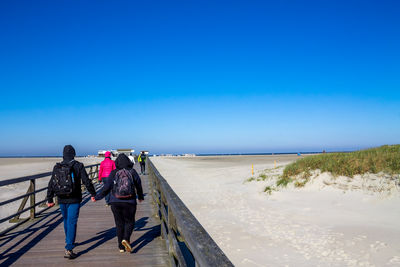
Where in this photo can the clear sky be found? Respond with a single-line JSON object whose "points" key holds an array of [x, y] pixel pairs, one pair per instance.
{"points": [[198, 76]]}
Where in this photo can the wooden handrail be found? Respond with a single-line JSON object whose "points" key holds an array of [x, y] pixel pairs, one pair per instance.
{"points": [[31, 194], [188, 243], [33, 177], [22, 196]]}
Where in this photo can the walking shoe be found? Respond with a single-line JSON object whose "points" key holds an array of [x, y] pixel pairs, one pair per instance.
{"points": [[126, 245], [122, 250], [69, 254]]}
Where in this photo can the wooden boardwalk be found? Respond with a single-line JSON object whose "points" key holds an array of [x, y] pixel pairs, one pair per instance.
{"points": [[41, 242]]}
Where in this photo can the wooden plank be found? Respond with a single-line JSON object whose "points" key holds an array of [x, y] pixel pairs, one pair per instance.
{"points": [[41, 242]]}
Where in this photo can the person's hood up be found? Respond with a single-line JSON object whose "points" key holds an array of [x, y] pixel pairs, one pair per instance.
{"points": [[107, 154], [69, 153], [123, 162]]}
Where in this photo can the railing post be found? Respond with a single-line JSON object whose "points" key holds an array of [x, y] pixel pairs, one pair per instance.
{"points": [[33, 199], [21, 207], [96, 174], [91, 174]]}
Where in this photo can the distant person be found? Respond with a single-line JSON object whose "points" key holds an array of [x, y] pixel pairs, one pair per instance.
{"points": [[65, 183], [122, 183], [142, 161], [106, 166]]}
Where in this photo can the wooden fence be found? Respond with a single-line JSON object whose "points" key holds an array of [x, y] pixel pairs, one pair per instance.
{"points": [[31, 195], [187, 241]]}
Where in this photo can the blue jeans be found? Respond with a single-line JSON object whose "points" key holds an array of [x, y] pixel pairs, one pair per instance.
{"points": [[107, 197], [70, 213]]}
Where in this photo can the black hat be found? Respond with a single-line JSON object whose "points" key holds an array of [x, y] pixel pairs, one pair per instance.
{"points": [[123, 162], [69, 152]]}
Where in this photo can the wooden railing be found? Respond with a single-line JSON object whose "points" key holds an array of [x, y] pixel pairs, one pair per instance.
{"points": [[187, 241], [31, 195]]}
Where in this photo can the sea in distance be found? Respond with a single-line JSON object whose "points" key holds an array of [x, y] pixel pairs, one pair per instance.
{"points": [[196, 154]]}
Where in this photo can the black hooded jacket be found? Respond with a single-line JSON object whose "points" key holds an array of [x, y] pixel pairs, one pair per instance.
{"points": [[122, 162], [80, 176]]}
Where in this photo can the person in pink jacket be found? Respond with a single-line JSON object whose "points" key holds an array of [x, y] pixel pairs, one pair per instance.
{"points": [[106, 166]]}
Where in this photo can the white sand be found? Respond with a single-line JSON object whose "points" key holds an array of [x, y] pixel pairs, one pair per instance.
{"points": [[317, 225], [18, 167]]}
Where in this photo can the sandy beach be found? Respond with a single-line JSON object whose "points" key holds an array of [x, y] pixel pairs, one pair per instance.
{"points": [[317, 225], [18, 167]]}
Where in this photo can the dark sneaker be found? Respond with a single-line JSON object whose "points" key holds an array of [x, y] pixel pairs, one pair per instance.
{"points": [[126, 245], [69, 254]]}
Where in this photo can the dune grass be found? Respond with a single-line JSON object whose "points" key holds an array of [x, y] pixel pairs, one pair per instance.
{"points": [[261, 177], [381, 159]]}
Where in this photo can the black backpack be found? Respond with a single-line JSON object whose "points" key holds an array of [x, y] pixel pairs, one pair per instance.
{"points": [[123, 187], [63, 179]]}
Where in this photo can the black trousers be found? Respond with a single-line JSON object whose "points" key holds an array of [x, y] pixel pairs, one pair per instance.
{"points": [[124, 216], [142, 167]]}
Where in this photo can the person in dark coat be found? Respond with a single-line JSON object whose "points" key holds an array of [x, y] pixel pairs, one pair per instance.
{"points": [[123, 209], [142, 160], [70, 204]]}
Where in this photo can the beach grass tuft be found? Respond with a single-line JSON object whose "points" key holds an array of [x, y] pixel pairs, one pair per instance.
{"points": [[250, 179], [381, 159], [262, 177], [268, 190]]}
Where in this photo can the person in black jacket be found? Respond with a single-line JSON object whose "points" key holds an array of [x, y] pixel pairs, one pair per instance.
{"points": [[142, 160], [70, 204], [123, 209]]}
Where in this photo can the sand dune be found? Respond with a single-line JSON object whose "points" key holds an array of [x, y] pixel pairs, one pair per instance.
{"points": [[312, 226]]}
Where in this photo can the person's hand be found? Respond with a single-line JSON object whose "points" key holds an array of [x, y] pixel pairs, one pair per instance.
{"points": [[50, 205], [93, 199]]}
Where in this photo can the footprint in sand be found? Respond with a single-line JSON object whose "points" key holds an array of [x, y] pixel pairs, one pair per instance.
{"points": [[378, 245], [394, 260]]}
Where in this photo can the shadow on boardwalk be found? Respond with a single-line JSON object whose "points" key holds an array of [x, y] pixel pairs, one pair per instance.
{"points": [[45, 223], [147, 237], [101, 238], [53, 220]]}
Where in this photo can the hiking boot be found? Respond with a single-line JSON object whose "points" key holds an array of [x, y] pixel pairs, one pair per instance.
{"points": [[126, 245], [69, 254]]}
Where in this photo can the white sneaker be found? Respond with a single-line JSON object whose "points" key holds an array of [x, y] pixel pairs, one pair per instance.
{"points": [[127, 246]]}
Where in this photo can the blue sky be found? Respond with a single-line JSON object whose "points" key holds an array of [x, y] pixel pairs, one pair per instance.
{"points": [[198, 76]]}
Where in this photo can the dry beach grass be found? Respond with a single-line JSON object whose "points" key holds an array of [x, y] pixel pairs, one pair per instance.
{"points": [[384, 159]]}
